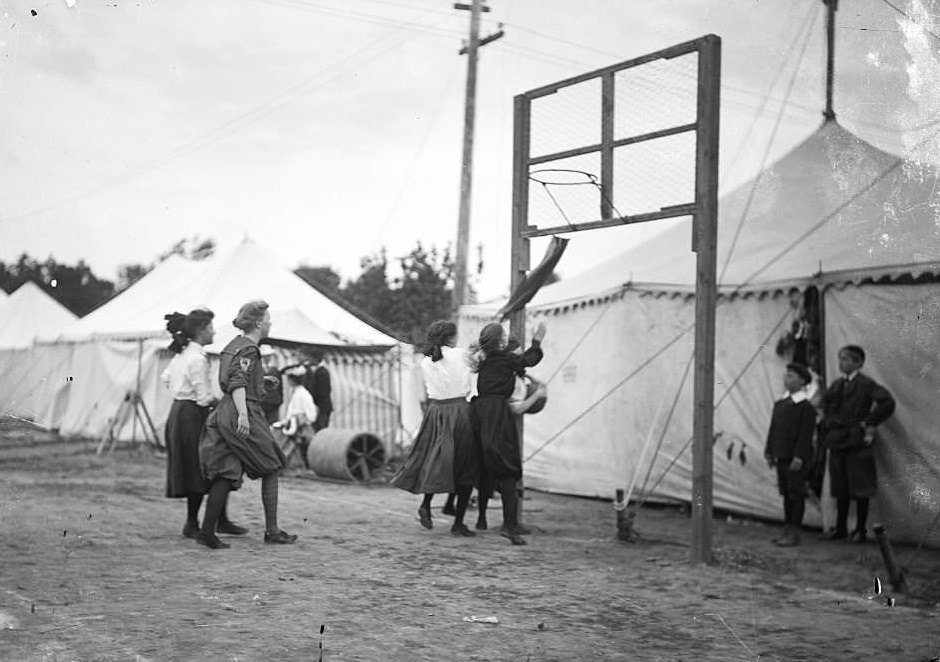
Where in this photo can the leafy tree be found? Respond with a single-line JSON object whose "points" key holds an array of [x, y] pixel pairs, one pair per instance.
{"points": [[74, 286], [192, 248], [370, 291], [424, 292], [128, 274], [405, 304], [323, 278]]}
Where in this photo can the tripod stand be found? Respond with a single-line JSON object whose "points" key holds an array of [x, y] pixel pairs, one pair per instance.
{"points": [[131, 406]]}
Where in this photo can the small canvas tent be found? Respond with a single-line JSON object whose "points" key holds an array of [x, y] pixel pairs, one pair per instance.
{"points": [[75, 378], [836, 216], [30, 312]]}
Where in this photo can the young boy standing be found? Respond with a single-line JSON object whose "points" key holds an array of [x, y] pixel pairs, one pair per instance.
{"points": [[790, 449], [854, 406]]}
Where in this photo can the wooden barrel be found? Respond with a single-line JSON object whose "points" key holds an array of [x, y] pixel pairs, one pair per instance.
{"points": [[346, 454]]}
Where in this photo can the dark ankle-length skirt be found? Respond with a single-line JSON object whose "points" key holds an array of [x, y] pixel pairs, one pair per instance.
{"points": [[182, 433], [444, 453], [495, 427], [223, 454]]}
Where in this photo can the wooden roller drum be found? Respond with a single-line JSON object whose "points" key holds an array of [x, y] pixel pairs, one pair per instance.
{"points": [[346, 454]]}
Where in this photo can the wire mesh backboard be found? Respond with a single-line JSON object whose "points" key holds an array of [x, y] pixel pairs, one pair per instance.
{"points": [[618, 144], [637, 141]]}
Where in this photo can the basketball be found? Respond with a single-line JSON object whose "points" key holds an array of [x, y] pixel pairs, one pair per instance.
{"points": [[539, 404]]}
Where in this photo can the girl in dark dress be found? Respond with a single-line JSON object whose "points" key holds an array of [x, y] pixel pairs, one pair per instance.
{"points": [[187, 378], [494, 423], [238, 439]]}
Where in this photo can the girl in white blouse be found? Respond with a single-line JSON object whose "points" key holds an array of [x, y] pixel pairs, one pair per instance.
{"points": [[444, 456], [187, 378], [300, 415]]}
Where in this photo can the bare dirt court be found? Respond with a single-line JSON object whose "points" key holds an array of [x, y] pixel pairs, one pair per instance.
{"points": [[94, 568]]}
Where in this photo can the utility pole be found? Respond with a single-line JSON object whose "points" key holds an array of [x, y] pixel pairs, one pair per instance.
{"points": [[466, 176], [831, 7]]}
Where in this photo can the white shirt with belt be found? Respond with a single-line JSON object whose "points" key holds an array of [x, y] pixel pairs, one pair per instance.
{"points": [[301, 402], [448, 377], [187, 376]]}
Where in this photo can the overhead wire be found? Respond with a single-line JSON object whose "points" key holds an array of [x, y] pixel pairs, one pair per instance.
{"points": [[665, 428], [802, 35], [263, 110], [662, 350], [910, 18], [365, 17], [726, 87], [321, 77], [737, 289], [894, 166], [420, 150], [805, 28], [765, 99], [723, 397], [766, 155]]}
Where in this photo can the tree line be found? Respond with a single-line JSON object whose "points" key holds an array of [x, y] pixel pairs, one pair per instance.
{"points": [[399, 295]]}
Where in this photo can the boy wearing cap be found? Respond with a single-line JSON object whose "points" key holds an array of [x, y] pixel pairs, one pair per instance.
{"points": [[853, 406], [790, 449]]}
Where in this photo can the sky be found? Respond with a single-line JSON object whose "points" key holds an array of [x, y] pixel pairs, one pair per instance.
{"points": [[327, 130]]}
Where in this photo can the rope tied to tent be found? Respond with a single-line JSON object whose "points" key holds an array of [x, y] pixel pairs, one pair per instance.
{"points": [[723, 397]]}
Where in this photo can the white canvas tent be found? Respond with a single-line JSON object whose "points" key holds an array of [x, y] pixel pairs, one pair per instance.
{"points": [[223, 283], [835, 214], [27, 313], [75, 378]]}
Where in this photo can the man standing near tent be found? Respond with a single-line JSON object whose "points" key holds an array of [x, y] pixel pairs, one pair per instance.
{"points": [[790, 449], [273, 396], [318, 383], [853, 407]]}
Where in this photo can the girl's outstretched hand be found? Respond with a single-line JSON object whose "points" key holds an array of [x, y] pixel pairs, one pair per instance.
{"points": [[539, 332]]}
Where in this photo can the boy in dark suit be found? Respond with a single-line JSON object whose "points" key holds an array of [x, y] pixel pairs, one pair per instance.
{"points": [[790, 449], [853, 406]]}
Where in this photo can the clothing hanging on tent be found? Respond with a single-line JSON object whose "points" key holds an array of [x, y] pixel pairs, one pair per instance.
{"points": [[535, 279]]}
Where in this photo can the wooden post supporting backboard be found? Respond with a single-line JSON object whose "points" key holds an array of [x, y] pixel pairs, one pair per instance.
{"points": [[704, 238]]}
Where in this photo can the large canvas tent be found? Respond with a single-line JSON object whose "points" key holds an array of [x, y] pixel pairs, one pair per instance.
{"points": [[75, 378], [836, 216], [30, 312]]}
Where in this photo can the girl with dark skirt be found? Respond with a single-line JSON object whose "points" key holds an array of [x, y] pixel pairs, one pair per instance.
{"points": [[494, 423], [238, 439], [187, 378], [444, 456]]}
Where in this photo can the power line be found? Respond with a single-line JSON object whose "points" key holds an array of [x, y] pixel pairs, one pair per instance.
{"points": [[737, 289], [766, 98], [420, 150], [259, 112], [717, 404], [910, 18], [362, 17], [553, 58], [763, 164]]}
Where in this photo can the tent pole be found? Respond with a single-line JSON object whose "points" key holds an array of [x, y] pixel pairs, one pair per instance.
{"points": [[401, 395], [140, 351], [821, 298]]}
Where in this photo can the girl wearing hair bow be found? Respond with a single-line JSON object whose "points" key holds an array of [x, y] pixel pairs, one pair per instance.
{"points": [[187, 378]]}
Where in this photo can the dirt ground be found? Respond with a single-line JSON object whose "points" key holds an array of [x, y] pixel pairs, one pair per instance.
{"points": [[93, 567]]}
